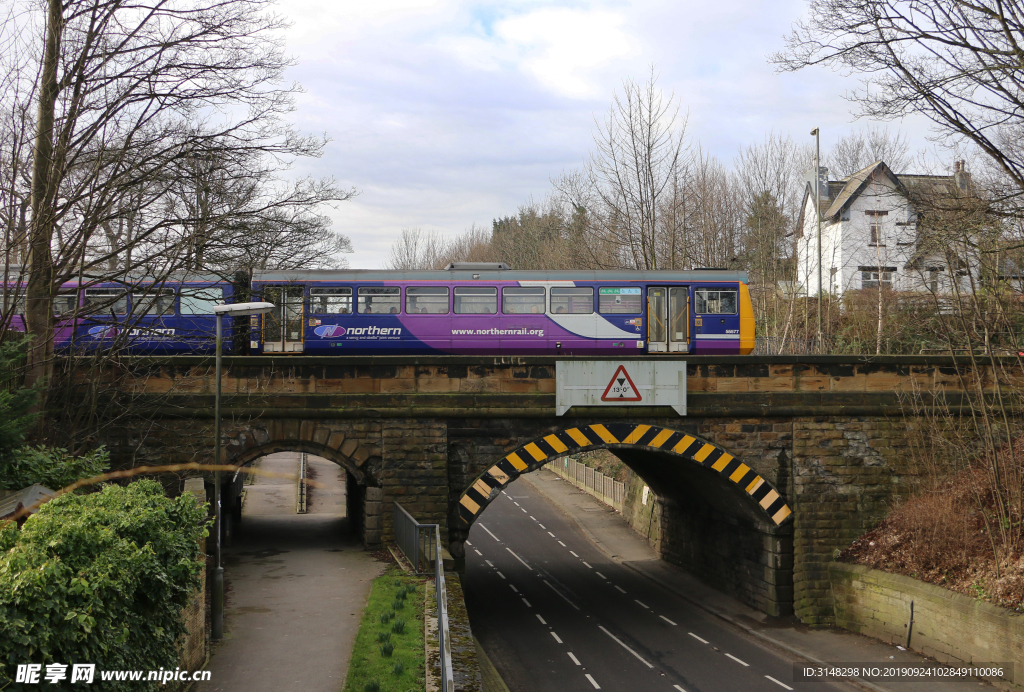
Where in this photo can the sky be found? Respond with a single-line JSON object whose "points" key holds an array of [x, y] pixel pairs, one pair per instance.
{"points": [[448, 113]]}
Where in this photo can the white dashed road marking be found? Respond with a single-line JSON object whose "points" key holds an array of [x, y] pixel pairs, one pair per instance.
{"points": [[557, 639], [513, 588], [500, 574], [564, 597], [592, 681], [679, 688], [573, 554], [702, 641], [520, 559], [542, 526], [489, 563], [745, 665], [478, 552], [625, 646], [600, 575], [488, 532], [667, 620], [574, 659], [619, 588], [781, 684], [541, 619], [588, 566], [562, 544], [641, 604], [551, 534], [527, 603]]}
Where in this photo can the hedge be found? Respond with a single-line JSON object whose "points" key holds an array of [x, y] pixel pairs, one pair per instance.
{"points": [[100, 578]]}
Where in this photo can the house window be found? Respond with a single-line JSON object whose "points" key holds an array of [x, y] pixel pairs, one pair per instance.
{"points": [[876, 233], [875, 277]]}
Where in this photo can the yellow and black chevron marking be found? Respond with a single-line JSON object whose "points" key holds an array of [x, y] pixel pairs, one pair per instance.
{"points": [[542, 450]]}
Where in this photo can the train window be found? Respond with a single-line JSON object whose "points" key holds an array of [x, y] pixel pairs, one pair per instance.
{"points": [[330, 301], [614, 300], [380, 300], [11, 302], [200, 301], [65, 303], [153, 302], [709, 302], [523, 300], [573, 301], [106, 301], [476, 300], [426, 300]]}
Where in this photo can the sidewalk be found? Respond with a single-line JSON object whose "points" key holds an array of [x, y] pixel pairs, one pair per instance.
{"points": [[609, 531], [296, 587]]}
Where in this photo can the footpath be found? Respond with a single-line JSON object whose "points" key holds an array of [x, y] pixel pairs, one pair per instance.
{"points": [[296, 586], [610, 532]]}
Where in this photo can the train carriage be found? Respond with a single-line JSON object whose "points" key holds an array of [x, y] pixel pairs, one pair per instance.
{"points": [[483, 308]]}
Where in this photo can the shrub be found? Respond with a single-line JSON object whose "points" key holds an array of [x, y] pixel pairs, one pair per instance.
{"points": [[386, 649], [398, 627], [100, 578], [385, 618], [50, 466], [383, 637], [397, 605]]}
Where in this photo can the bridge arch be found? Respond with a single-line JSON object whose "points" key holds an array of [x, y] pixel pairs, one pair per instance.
{"points": [[762, 498]]}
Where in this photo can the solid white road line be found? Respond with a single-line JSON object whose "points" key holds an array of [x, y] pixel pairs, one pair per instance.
{"points": [[527, 603], [641, 604], [520, 559], [513, 588], [574, 659], [702, 641], [619, 588], [500, 574], [745, 665], [624, 646], [588, 566], [541, 619], [781, 684], [667, 620], [561, 594], [600, 575], [557, 639], [592, 681], [573, 554], [488, 531], [478, 552]]}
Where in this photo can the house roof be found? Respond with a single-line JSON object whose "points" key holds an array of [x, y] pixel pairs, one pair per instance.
{"points": [[856, 183], [26, 497]]}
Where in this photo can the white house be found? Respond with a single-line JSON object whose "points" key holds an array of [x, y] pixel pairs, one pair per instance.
{"points": [[870, 235]]}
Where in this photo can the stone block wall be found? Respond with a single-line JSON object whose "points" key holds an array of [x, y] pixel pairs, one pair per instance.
{"points": [[947, 626], [414, 472], [645, 519]]}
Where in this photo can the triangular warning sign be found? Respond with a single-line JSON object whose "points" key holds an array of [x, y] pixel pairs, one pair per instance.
{"points": [[621, 388]]}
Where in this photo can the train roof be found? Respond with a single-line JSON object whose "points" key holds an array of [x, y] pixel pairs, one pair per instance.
{"points": [[356, 275]]}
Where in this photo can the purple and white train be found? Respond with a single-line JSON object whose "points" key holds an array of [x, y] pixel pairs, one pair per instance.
{"points": [[470, 308]]}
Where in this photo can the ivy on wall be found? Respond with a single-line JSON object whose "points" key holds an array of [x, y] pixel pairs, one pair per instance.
{"points": [[100, 578]]}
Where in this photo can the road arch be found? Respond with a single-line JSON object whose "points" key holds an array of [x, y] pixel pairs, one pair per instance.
{"points": [[762, 496]]}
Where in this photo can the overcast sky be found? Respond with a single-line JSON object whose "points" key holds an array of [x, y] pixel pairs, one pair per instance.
{"points": [[449, 113]]}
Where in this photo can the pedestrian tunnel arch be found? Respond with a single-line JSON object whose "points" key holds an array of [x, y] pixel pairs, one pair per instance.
{"points": [[762, 498]]}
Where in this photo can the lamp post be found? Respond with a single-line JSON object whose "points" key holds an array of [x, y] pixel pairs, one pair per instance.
{"points": [[233, 310], [817, 208]]}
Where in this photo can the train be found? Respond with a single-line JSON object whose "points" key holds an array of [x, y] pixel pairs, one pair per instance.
{"points": [[466, 309]]}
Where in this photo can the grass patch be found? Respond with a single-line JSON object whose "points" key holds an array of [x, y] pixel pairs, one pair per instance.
{"points": [[389, 646]]}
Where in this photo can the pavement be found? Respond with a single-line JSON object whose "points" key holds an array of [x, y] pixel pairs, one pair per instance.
{"points": [[296, 586], [786, 638]]}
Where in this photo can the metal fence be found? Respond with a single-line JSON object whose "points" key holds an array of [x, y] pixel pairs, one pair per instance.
{"points": [[603, 487], [421, 545]]}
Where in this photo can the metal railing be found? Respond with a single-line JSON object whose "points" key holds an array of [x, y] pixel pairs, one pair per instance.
{"points": [[604, 488], [303, 488], [421, 545]]}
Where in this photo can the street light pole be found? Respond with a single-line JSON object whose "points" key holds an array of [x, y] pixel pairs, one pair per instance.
{"points": [[817, 208], [235, 310]]}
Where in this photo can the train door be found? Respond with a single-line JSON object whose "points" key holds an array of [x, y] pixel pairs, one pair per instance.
{"points": [[668, 319], [282, 327]]}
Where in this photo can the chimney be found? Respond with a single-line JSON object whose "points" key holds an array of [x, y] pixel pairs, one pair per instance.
{"points": [[961, 177]]}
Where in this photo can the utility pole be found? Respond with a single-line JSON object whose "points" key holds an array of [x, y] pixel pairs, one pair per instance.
{"points": [[817, 208]]}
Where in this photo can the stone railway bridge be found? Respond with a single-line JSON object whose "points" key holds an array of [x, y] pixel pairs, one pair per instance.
{"points": [[779, 462]]}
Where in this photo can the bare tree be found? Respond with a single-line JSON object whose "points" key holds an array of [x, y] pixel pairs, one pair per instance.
{"points": [[128, 99], [858, 150]]}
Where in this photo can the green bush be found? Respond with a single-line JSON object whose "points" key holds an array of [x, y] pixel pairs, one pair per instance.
{"points": [[100, 578], [50, 466], [398, 627]]}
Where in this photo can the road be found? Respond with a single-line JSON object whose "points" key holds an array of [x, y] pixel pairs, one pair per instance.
{"points": [[555, 613]]}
